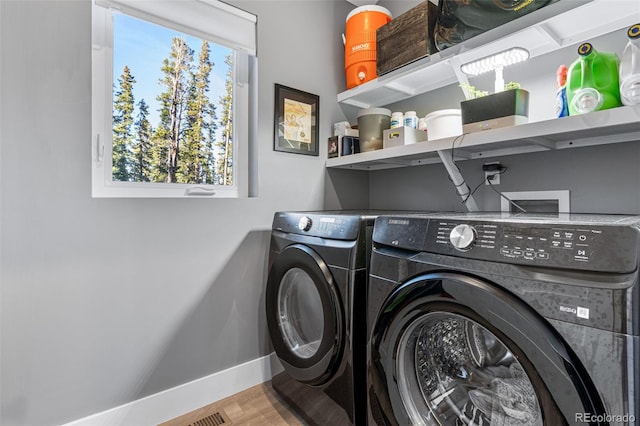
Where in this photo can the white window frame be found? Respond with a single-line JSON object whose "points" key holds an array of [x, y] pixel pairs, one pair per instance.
{"points": [[192, 17]]}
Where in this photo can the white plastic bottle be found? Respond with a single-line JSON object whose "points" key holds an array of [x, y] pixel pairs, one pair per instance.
{"points": [[422, 124], [411, 119], [630, 68], [397, 120]]}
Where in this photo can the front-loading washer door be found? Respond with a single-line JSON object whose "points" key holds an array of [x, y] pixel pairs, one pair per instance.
{"points": [[305, 315], [450, 349]]}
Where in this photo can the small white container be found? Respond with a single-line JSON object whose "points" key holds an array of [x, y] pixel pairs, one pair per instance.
{"points": [[339, 128], [411, 119], [445, 123], [422, 124], [397, 120]]}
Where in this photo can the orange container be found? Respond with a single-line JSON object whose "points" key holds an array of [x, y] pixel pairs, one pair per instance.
{"points": [[360, 43]]}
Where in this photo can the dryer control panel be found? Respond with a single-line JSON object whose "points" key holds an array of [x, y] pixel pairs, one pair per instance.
{"points": [[591, 247], [335, 227]]}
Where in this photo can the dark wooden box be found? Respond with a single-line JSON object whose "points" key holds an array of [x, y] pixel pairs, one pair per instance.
{"points": [[407, 38]]}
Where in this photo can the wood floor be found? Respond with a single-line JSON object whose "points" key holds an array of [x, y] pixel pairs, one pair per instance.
{"points": [[259, 405]]}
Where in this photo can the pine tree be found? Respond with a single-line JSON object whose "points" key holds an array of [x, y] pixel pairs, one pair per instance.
{"points": [[225, 145], [158, 155], [176, 69], [209, 147], [193, 158], [123, 107], [141, 165]]}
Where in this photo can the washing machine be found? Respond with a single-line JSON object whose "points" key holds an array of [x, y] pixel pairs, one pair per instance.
{"points": [[491, 319], [316, 312]]}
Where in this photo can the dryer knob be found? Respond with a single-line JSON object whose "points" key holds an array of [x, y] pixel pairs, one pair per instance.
{"points": [[304, 224], [462, 236]]}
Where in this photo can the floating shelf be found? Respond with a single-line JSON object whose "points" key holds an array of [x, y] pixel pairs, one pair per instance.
{"points": [[597, 128], [546, 30]]}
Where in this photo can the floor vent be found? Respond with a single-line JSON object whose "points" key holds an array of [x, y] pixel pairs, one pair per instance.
{"points": [[205, 416], [216, 419]]}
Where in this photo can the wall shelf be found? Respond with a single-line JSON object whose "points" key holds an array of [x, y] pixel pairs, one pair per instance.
{"points": [[597, 128], [544, 31]]}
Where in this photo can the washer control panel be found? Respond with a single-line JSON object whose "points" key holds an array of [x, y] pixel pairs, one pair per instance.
{"points": [[591, 247], [585, 245]]}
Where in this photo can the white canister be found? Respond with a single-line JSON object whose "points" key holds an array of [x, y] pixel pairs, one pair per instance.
{"points": [[397, 120], [444, 123], [411, 119]]}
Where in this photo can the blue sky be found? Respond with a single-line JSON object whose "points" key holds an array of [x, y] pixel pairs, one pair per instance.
{"points": [[143, 46]]}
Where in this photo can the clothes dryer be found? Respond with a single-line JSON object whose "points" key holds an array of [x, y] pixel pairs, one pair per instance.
{"points": [[479, 319], [316, 310]]}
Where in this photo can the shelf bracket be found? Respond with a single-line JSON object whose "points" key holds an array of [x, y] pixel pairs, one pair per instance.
{"points": [[462, 188]]}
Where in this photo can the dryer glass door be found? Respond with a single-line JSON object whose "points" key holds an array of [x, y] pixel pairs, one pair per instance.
{"points": [[305, 316], [301, 318]]}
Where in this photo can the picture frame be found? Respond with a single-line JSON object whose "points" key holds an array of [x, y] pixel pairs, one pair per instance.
{"points": [[332, 147], [296, 118]]}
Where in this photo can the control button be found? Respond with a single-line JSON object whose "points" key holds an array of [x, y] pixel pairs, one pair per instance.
{"points": [[505, 252], [529, 255], [542, 256], [556, 243], [462, 236], [517, 253], [581, 255], [582, 237], [568, 244], [304, 224]]}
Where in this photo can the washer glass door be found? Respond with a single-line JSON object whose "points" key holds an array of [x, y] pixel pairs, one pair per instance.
{"points": [[456, 372], [300, 314]]}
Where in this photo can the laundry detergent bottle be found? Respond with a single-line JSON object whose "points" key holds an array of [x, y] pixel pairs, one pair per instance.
{"points": [[630, 68], [592, 81]]}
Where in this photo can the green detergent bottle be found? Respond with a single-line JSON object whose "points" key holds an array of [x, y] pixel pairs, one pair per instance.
{"points": [[592, 81]]}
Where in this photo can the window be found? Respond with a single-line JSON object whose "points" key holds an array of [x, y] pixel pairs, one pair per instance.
{"points": [[171, 92]]}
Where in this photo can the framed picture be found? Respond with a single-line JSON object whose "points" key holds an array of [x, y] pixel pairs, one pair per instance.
{"points": [[296, 121], [332, 149]]}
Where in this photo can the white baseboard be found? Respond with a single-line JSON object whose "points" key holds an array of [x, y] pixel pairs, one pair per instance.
{"points": [[182, 399]]}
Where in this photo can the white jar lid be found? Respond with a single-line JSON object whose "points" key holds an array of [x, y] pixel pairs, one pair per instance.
{"points": [[442, 112]]}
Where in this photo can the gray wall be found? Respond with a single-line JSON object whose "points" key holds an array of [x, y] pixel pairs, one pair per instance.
{"points": [[105, 301], [601, 179]]}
